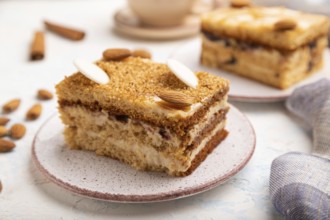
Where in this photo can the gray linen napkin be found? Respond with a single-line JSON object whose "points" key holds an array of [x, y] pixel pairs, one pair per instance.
{"points": [[300, 183]]}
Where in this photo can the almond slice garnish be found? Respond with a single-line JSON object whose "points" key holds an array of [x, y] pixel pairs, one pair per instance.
{"points": [[91, 71], [187, 76], [175, 98]]}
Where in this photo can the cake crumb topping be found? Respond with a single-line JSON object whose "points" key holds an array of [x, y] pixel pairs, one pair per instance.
{"points": [[139, 79]]}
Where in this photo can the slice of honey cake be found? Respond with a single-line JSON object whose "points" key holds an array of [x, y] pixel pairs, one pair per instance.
{"points": [[274, 45], [145, 115]]}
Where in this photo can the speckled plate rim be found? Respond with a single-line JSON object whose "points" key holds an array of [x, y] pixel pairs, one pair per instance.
{"points": [[264, 97], [136, 198]]}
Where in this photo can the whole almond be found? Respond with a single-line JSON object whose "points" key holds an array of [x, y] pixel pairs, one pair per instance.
{"points": [[285, 24], [240, 3], [17, 131], [116, 54], [34, 112], [3, 131], [6, 145], [44, 94], [175, 98], [11, 106], [0, 186], [141, 53], [4, 120], [171, 107]]}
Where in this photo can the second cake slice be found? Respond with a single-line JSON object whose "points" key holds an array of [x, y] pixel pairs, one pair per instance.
{"points": [[274, 45]]}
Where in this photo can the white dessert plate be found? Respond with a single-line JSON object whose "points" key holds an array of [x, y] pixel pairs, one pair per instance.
{"points": [[103, 178], [243, 89]]}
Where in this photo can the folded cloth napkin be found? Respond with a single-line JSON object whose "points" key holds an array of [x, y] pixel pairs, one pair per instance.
{"points": [[300, 183]]}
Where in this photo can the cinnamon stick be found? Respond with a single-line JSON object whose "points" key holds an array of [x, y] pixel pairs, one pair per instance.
{"points": [[67, 32], [38, 46]]}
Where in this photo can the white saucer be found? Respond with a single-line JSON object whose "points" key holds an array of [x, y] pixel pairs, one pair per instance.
{"points": [[244, 89], [103, 178], [127, 23]]}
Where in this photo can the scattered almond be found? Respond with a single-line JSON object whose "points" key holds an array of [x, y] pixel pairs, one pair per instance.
{"points": [[3, 131], [44, 94], [141, 53], [17, 131], [116, 54], [0, 186], [175, 98], [6, 145], [240, 3], [4, 120], [11, 106], [285, 24], [34, 112]]}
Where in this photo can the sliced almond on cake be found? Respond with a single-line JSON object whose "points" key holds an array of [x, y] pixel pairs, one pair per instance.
{"points": [[183, 73], [91, 71]]}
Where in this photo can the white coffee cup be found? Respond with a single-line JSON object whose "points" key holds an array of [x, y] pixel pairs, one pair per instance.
{"points": [[161, 13]]}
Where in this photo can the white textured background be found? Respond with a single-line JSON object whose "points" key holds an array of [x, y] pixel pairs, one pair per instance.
{"points": [[28, 195]]}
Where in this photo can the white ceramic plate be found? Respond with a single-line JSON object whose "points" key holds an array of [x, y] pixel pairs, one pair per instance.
{"points": [[243, 89], [103, 178]]}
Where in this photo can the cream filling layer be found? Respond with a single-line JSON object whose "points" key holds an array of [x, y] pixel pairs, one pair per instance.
{"points": [[154, 132], [207, 118], [152, 157]]}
